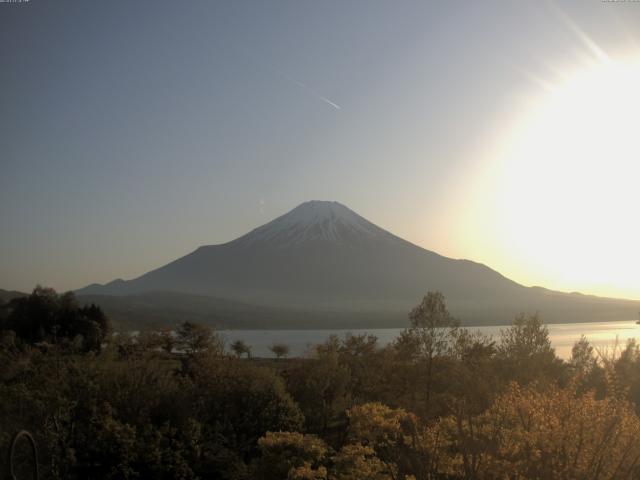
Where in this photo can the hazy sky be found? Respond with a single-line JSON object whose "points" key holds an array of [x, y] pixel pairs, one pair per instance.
{"points": [[132, 132]]}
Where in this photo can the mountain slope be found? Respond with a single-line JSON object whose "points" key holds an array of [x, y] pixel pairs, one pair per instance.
{"points": [[323, 257], [7, 295], [152, 310]]}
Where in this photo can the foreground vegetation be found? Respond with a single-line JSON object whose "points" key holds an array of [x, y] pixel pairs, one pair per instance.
{"points": [[440, 402]]}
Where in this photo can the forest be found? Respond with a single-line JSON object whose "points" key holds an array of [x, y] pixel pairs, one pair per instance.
{"points": [[440, 402]]}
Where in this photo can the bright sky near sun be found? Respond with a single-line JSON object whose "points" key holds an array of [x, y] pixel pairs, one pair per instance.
{"points": [[502, 132], [561, 194]]}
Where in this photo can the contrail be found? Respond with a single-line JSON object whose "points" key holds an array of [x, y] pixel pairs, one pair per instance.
{"points": [[541, 82], [308, 89], [592, 46]]}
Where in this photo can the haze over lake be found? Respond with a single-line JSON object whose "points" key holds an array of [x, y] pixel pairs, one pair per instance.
{"points": [[601, 335]]}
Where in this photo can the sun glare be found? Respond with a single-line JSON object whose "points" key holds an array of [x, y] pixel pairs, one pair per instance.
{"points": [[566, 189]]}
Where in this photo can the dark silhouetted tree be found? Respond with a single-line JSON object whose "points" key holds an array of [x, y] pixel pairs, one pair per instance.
{"points": [[279, 350], [193, 338], [45, 316], [240, 348]]}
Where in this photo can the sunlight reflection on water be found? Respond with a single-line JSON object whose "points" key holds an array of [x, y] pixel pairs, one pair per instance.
{"points": [[602, 335]]}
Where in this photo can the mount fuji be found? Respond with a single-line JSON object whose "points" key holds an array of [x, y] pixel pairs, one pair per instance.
{"points": [[323, 265]]}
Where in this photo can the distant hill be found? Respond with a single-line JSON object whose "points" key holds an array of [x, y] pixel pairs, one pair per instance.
{"points": [[7, 295], [159, 309], [322, 265]]}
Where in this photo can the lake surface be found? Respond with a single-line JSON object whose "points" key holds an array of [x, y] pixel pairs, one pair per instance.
{"points": [[602, 335]]}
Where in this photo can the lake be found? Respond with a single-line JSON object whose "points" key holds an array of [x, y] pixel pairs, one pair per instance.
{"points": [[563, 335]]}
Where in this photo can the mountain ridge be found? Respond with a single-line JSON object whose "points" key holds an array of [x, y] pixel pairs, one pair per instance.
{"points": [[322, 256]]}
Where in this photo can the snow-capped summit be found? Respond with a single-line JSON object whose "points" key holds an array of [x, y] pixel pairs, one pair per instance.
{"points": [[323, 259], [313, 221], [315, 211]]}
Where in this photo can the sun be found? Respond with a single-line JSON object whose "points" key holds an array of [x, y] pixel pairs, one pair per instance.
{"points": [[565, 184]]}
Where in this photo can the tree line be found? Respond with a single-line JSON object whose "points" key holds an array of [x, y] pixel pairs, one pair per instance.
{"points": [[440, 402]]}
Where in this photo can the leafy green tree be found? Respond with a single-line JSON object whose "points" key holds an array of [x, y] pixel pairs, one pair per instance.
{"points": [[431, 335], [289, 456], [320, 386], [45, 316], [582, 359], [473, 379], [237, 403], [358, 462], [361, 356], [526, 352], [588, 373], [193, 338], [556, 433], [404, 445], [623, 373]]}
